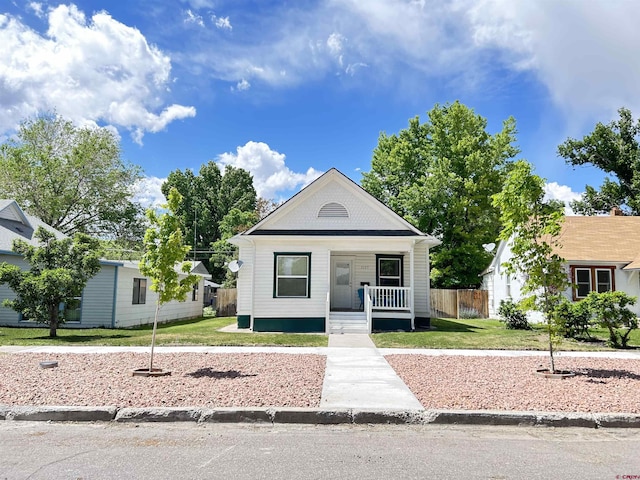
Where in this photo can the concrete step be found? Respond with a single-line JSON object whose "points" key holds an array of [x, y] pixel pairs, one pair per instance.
{"points": [[341, 323]]}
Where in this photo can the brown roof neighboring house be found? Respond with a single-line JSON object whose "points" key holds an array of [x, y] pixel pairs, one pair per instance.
{"points": [[612, 238]]}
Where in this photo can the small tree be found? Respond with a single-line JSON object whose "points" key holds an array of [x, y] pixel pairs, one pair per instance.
{"points": [[609, 309], [60, 269], [164, 250], [532, 226]]}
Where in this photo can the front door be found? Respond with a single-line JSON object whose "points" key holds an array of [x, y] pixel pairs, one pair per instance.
{"points": [[341, 283]]}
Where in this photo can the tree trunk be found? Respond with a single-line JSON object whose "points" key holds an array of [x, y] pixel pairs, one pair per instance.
{"points": [[153, 335], [53, 321]]}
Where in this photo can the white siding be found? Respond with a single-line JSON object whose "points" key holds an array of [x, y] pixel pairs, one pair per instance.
{"points": [[421, 288], [245, 280], [266, 306], [256, 276], [97, 300], [129, 315], [8, 316], [363, 215]]}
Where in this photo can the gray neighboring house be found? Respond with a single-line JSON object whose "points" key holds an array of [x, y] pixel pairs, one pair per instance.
{"points": [[118, 296]]}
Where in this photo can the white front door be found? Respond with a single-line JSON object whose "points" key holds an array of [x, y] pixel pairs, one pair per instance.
{"points": [[341, 283]]}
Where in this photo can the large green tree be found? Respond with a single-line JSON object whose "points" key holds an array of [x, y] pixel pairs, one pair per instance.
{"points": [[440, 175], [532, 227], [614, 149], [59, 271], [164, 253], [234, 222], [207, 198], [73, 178]]}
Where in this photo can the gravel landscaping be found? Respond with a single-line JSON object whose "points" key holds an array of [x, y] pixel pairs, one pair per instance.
{"points": [[295, 380], [197, 379], [507, 383]]}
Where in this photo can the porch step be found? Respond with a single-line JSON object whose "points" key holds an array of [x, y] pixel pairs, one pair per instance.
{"points": [[345, 323]]}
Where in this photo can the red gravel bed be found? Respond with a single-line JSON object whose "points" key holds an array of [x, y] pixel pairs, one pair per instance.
{"points": [[499, 383], [196, 380]]}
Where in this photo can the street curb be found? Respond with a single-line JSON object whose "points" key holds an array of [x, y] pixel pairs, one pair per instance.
{"points": [[158, 414], [61, 413], [317, 416]]}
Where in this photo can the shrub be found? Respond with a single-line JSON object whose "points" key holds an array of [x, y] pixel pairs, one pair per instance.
{"points": [[573, 319], [609, 310], [208, 312], [513, 316]]}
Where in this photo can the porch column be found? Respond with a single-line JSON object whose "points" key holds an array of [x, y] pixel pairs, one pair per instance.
{"points": [[413, 288], [327, 326]]}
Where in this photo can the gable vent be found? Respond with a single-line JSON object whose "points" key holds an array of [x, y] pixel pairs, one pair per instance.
{"points": [[333, 210]]}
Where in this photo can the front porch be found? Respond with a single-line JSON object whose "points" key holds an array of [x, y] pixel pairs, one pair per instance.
{"points": [[370, 291]]}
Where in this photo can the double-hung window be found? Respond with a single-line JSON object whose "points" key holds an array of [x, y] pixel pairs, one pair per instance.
{"points": [[139, 291], [389, 270], [292, 275], [592, 279]]}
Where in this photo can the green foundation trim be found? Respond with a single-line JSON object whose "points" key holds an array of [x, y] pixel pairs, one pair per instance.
{"points": [[391, 324], [423, 322], [244, 321], [290, 325]]}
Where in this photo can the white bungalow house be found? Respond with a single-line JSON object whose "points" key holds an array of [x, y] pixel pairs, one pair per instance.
{"points": [[118, 296], [602, 253], [333, 259]]}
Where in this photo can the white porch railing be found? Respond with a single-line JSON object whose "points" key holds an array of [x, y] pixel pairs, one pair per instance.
{"points": [[390, 298], [385, 298]]}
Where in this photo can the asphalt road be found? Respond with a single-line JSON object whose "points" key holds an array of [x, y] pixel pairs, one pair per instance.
{"points": [[37, 450]]}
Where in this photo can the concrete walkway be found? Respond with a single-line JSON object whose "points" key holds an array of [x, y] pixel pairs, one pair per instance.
{"points": [[358, 376]]}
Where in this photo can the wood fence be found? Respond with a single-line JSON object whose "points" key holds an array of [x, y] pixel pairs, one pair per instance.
{"points": [[226, 302], [459, 303]]}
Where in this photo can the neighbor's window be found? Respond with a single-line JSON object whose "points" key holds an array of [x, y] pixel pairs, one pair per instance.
{"points": [[583, 282], [72, 310], [592, 279], [194, 293], [139, 291], [389, 269], [292, 276]]}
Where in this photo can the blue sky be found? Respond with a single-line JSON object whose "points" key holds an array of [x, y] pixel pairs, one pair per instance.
{"points": [[289, 89]]}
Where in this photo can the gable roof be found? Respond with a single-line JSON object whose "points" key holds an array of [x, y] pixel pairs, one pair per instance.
{"points": [[601, 239], [330, 217], [17, 225], [597, 239]]}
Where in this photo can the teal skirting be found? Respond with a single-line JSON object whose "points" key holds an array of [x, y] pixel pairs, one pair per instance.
{"points": [[291, 325], [244, 321], [391, 324]]}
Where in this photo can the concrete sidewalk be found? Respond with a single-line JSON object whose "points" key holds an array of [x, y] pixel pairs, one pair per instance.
{"points": [[359, 387], [358, 376]]}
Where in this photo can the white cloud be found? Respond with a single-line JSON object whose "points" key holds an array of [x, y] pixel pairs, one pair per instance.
{"points": [[270, 174], [148, 192], [88, 71], [242, 85], [222, 22], [334, 43], [555, 191], [190, 17], [585, 53], [37, 9]]}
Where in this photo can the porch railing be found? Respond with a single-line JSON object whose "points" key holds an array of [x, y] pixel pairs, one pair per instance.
{"points": [[389, 298], [385, 298]]}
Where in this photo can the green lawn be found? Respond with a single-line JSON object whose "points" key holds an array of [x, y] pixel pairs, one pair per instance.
{"points": [[202, 331], [485, 335], [448, 333]]}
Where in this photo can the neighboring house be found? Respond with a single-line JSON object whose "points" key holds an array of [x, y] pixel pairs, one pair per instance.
{"points": [[602, 254], [118, 296], [333, 259]]}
